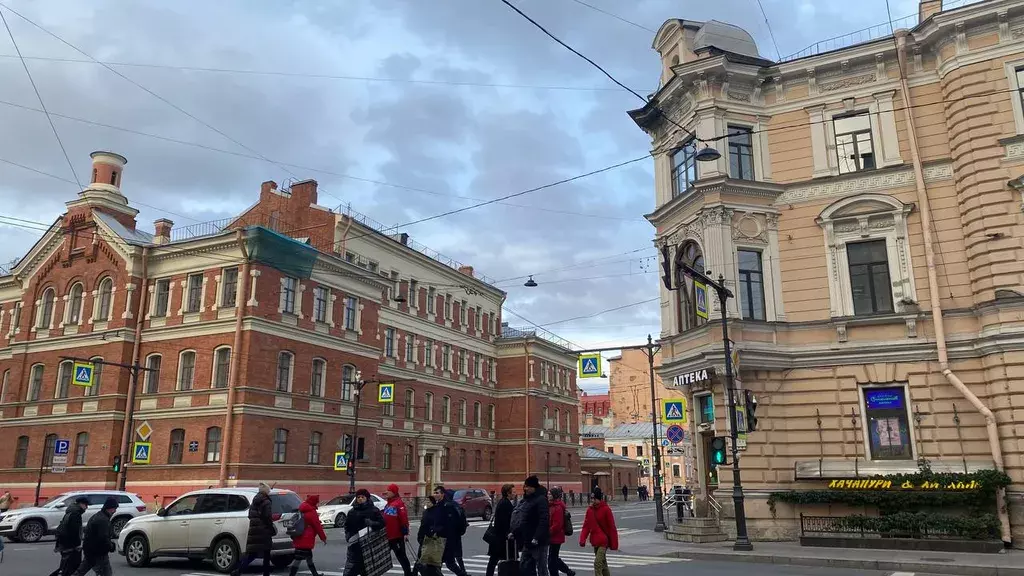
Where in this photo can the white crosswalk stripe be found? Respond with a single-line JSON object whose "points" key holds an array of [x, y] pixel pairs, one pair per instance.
{"points": [[577, 528]]}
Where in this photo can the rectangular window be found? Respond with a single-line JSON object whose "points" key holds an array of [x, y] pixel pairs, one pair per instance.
{"points": [[21, 452], [751, 284], [35, 383], [431, 299], [163, 297], [221, 367], [407, 460], [229, 288], [463, 313], [194, 299], [869, 277], [177, 447], [478, 317], [187, 370], [396, 285], [280, 446], [446, 410], [316, 385], [684, 167], [428, 353], [389, 342], [414, 293], [64, 380], [888, 422], [493, 460], [288, 289], [284, 372], [410, 348], [625, 451], [446, 358], [81, 448], [320, 297], [447, 306], [313, 454], [463, 366], [854, 149], [153, 374], [741, 153], [351, 308], [213, 442], [640, 451], [386, 457], [706, 404], [428, 406]]}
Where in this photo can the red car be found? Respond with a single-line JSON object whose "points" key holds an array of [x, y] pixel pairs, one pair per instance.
{"points": [[476, 502]]}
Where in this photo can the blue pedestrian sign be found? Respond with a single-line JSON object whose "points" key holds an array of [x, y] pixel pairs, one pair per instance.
{"points": [[675, 434], [62, 446], [141, 452], [674, 411], [83, 374], [340, 462], [590, 366], [386, 393]]}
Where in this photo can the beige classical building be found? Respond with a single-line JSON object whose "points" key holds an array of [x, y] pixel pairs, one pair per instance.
{"points": [[629, 387], [866, 212]]}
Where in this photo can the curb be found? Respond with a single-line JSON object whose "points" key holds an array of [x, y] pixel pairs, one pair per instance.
{"points": [[882, 565]]}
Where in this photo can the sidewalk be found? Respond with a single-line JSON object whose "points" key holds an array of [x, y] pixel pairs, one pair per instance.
{"points": [[1008, 563]]}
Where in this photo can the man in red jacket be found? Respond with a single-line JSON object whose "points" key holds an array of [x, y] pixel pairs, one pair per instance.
{"points": [[599, 525], [396, 524], [305, 542]]}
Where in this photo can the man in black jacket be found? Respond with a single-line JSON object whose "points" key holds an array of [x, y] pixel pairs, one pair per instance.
{"points": [[97, 543], [530, 528], [69, 538], [453, 518]]}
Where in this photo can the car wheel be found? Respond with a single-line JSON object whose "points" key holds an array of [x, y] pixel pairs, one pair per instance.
{"points": [[31, 531], [282, 561], [117, 524], [487, 513], [136, 551], [339, 520], [225, 555]]}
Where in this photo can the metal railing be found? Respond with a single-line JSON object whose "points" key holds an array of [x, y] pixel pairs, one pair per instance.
{"points": [[715, 507], [868, 34], [510, 332]]}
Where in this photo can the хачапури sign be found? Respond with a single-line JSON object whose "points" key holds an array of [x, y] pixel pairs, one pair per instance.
{"points": [[883, 484]]}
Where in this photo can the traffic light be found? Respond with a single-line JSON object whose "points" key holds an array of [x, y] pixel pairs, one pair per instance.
{"points": [[666, 267], [751, 402], [718, 451], [117, 464]]}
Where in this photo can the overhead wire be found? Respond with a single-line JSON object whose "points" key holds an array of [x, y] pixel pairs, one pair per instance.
{"points": [[770, 32], [616, 16]]}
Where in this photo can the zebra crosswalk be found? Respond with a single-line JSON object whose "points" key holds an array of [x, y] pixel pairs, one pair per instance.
{"points": [[577, 526]]}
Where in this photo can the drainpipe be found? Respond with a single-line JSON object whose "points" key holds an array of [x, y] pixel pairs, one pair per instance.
{"points": [[236, 355], [133, 383], [526, 426], [933, 294]]}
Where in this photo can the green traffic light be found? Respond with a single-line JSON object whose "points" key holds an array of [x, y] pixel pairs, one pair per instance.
{"points": [[717, 451]]}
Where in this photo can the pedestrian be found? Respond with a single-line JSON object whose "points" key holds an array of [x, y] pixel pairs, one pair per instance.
{"points": [[453, 518], [396, 522], [572, 497], [97, 543], [496, 535], [6, 501], [599, 526], [69, 538], [531, 529], [560, 526], [363, 515], [430, 539], [625, 493], [260, 539], [305, 541]]}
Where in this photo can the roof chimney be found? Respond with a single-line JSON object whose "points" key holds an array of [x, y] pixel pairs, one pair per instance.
{"points": [[927, 8], [467, 270], [163, 231]]}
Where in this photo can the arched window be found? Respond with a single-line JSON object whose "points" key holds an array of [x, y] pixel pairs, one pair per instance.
{"points": [[48, 446], [410, 404], [690, 253], [177, 446], [558, 420], [386, 457], [81, 447], [186, 370], [3, 385], [348, 378], [280, 446], [407, 461], [284, 371], [446, 458], [446, 410], [97, 377], [106, 294], [213, 442], [568, 421], [35, 382], [428, 406], [153, 362], [221, 367], [46, 308], [462, 459], [75, 304], [317, 375], [544, 417], [477, 415], [490, 416], [313, 454], [478, 461], [21, 452], [64, 374], [462, 412]]}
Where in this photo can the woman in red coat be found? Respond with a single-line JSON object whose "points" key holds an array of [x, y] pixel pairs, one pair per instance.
{"points": [[304, 542], [599, 525], [557, 529]]}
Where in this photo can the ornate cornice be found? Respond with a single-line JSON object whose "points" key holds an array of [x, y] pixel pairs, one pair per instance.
{"points": [[878, 180]]}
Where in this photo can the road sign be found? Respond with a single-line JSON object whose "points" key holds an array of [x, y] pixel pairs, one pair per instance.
{"points": [[144, 431], [62, 446], [386, 393], [665, 443], [701, 292], [141, 453], [674, 410], [646, 462], [675, 434], [83, 374], [590, 366], [193, 446], [676, 451], [58, 469], [340, 462], [59, 459]]}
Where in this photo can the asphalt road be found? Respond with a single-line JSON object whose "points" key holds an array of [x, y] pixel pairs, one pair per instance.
{"points": [[635, 523]]}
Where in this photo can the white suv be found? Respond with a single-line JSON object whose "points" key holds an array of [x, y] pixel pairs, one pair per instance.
{"points": [[209, 524], [31, 524]]}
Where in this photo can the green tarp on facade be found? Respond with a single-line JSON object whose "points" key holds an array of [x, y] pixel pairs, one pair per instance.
{"points": [[286, 254]]}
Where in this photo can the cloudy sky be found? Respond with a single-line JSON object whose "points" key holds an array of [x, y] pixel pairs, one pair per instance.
{"points": [[401, 108]]}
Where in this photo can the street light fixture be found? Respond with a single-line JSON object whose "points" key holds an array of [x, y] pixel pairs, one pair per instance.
{"points": [[530, 283], [707, 154]]}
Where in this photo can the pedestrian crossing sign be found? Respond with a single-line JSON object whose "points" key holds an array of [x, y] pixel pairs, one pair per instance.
{"points": [[700, 292], [590, 366], [340, 462], [674, 410], [386, 393], [83, 374], [141, 452]]}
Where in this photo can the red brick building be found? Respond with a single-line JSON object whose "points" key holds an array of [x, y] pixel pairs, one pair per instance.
{"points": [[254, 335], [594, 408]]}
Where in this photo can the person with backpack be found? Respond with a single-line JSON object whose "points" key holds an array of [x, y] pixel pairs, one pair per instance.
{"points": [[69, 538], [560, 524], [396, 522], [363, 515], [305, 528], [453, 519], [97, 543], [599, 526], [496, 534], [531, 528]]}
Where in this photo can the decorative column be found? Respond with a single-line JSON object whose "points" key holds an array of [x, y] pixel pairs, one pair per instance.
{"points": [[819, 148]]}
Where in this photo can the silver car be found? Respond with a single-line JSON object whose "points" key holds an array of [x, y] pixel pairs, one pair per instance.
{"points": [[31, 524]]}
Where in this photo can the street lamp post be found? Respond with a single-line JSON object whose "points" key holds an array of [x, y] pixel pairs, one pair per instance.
{"points": [[742, 540], [353, 455]]}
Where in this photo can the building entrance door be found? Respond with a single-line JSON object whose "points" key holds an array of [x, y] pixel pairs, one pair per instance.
{"points": [[710, 472], [428, 472]]}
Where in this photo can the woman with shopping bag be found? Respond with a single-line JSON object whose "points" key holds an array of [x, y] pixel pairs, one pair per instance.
{"points": [[364, 515], [431, 543]]}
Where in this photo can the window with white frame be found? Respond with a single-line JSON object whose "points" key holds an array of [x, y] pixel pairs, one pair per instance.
{"points": [[463, 313], [280, 446], [194, 296], [463, 364], [289, 286], [318, 375], [431, 299], [106, 296], [229, 287], [490, 416], [351, 310], [868, 255], [428, 406], [313, 453], [447, 306], [410, 404], [97, 377], [446, 410], [751, 284], [285, 362], [214, 439], [462, 412], [477, 414], [320, 298], [741, 152], [389, 342], [162, 298], [557, 420], [887, 419], [854, 147], [35, 383], [348, 377], [446, 358], [414, 293], [186, 370], [75, 304], [684, 167], [67, 370], [46, 308], [153, 362], [478, 316], [428, 353], [221, 367], [410, 348]]}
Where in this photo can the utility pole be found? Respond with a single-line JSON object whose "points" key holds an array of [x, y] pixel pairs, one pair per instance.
{"points": [[39, 477], [136, 369], [354, 449], [742, 540]]}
